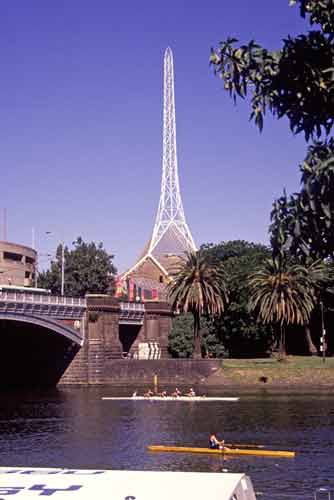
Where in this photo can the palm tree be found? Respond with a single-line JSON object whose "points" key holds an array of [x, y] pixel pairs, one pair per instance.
{"points": [[199, 287], [284, 294], [322, 275]]}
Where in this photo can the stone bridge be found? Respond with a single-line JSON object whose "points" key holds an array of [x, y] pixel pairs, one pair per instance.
{"points": [[47, 339]]}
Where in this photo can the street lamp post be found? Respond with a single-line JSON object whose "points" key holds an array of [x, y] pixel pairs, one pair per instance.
{"points": [[62, 267], [323, 333]]}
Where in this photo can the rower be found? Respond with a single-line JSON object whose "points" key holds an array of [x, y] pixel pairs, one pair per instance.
{"points": [[177, 393], [214, 443]]}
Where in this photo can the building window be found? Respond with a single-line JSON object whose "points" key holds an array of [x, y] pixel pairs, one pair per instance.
{"points": [[161, 279], [27, 274], [17, 257], [30, 260]]}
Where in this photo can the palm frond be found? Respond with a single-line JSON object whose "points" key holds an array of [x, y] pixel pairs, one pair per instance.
{"points": [[199, 285], [285, 296]]}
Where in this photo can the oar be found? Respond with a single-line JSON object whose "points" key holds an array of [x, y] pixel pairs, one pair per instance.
{"points": [[233, 445]]}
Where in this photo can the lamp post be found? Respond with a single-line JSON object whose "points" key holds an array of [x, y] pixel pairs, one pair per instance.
{"points": [[323, 333], [62, 269], [62, 266]]}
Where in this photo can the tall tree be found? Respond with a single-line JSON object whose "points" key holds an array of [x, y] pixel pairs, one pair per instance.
{"points": [[181, 337], [307, 217], [296, 81], [237, 331], [88, 269], [284, 293], [199, 287]]}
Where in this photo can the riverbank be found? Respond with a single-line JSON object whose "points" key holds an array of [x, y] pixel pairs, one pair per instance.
{"points": [[293, 372]]}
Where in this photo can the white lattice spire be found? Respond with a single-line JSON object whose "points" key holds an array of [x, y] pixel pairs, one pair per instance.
{"points": [[171, 233]]}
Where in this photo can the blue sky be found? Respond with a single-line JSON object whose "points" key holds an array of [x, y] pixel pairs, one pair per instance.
{"points": [[81, 113]]}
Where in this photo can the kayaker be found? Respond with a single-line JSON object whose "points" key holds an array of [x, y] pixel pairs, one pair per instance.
{"points": [[214, 443]]}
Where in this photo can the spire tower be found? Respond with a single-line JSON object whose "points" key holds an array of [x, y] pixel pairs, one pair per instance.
{"points": [[171, 233], [171, 236]]}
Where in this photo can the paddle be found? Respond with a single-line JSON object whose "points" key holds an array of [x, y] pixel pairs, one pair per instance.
{"points": [[244, 445]]}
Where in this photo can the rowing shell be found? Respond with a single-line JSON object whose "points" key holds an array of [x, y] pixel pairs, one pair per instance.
{"points": [[170, 398], [225, 451]]}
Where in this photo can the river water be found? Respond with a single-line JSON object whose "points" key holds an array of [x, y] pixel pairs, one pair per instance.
{"points": [[74, 428]]}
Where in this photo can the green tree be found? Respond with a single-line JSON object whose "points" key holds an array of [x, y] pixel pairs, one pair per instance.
{"points": [[238, 332], [296, 81], [283, 293], [181, 337], [88, 269], [198, 287], [300, 234], [307, 217]]}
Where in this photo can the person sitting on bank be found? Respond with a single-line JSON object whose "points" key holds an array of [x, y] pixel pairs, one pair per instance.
{"points": [[176, 393], [148, 394], [214, 443], [163, 394]]}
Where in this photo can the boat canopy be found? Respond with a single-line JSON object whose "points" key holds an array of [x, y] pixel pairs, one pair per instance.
{"points": [[85, 484]]}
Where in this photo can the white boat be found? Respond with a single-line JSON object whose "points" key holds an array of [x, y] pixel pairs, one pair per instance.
{"points": [[204, 399], [85, 484]]}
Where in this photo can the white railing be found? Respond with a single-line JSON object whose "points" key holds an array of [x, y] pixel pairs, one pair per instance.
{"points": [[132, 307], [34, 298]]}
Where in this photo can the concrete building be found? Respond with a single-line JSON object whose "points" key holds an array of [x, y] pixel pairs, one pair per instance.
{"points": [[17, 264]]}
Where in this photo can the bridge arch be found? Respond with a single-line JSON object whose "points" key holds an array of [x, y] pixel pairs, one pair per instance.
{"points": [[35, 350], [45, 322]]}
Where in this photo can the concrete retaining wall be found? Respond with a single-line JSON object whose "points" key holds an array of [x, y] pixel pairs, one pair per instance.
{"points": [[119, 372]]}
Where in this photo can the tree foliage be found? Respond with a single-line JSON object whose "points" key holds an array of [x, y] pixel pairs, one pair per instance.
{"points": [[319, 12], [181, 337], [296, 81], [304, 222], [283, 293], [88, 269], [238, 332], [199, 287]]}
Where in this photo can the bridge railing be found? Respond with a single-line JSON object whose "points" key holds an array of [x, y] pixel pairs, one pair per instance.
{"points": [[127, 309], [33, 298], [136, 307]]}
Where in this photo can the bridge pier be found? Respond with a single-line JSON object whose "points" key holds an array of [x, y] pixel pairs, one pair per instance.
{"points": [[101, 342], [108, 335]]}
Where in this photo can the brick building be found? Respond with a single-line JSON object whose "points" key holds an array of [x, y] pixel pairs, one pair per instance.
{"points": [[17, 264]]}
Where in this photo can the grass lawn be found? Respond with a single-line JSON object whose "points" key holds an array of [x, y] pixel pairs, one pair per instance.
{"points": [[294, 371], [292, 362]]}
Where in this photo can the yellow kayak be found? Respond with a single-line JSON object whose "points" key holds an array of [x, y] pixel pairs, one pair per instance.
{"points": [[225, 451]]}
